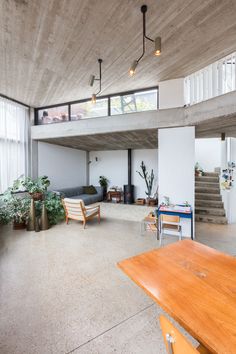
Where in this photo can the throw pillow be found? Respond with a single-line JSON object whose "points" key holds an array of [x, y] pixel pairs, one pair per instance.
{"points": [[89, 190]]}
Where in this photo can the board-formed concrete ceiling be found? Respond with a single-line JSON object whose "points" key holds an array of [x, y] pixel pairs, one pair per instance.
{"points": [[137, 139], [49, 48]]}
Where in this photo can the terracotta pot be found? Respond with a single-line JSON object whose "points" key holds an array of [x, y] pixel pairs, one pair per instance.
{"points": [[19, 225], [37, 195]]}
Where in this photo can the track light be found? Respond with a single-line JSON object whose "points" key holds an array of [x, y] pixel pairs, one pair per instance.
{"points": [[133, 68], [157, 43], [157, 51], [93, 78]]}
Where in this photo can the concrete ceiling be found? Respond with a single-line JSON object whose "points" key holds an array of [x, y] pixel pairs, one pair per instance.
{"points": [[215, 127], [49, 48], [140, 139]]}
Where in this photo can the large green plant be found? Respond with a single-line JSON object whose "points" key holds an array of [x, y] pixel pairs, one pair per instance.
{"points": [[16, 207], [4, 215], [38, 185], [54, 208]]}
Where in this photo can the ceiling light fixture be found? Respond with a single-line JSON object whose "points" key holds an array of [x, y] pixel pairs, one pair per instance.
{"points": [[157, 43], [93, 78]]}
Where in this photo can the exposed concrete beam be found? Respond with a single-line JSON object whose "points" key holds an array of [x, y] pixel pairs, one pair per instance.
{"points": [[210, 117], [120, 123]]}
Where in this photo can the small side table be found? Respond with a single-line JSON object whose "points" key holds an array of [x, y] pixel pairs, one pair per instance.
{"points": [[114, 194]]}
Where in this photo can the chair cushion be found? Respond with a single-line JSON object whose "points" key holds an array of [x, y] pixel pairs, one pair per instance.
{"points": [[89, 190]]}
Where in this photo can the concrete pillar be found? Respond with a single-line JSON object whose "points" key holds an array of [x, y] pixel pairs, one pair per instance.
{"points": [[176, 160], [33, 150]]}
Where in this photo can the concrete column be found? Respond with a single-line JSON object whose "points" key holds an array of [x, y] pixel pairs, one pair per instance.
{"points": [[176, 159], [33, 150]]}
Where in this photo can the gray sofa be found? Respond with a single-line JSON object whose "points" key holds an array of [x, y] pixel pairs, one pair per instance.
{"points": [[77, 193]]}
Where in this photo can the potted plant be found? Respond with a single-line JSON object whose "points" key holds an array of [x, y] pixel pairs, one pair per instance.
{"points": [[198, 170], [149, 178], [17, 208], [103, 181], [35, 187]]}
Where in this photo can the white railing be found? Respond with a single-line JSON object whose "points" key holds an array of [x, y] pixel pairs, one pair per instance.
{"points": [[213, 80]]}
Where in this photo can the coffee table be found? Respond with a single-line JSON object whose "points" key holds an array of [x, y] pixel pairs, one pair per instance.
{"points": [[114, 194]]}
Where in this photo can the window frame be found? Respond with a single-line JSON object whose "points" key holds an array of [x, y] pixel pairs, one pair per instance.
{"points": [[108, 97]]}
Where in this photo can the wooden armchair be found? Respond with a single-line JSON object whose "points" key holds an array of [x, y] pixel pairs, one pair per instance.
{"points": [[75, 209]]}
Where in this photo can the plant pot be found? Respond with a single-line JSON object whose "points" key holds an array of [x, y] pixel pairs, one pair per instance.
{"points": [[37, 196], [19, 225], [104, 193], [151, 201]]}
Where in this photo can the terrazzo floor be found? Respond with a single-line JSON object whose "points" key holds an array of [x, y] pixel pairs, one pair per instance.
{"points": [[61, 291]]}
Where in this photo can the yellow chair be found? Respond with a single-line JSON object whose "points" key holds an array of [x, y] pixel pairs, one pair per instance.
{"points": [[175, 342], [170, 223], [76, 210]]}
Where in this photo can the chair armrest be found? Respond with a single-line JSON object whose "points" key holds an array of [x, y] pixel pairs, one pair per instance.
{"points": [[92, 208]]}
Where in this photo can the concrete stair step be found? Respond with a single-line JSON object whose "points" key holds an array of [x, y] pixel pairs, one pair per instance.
{"points": [[208, 196], [211, 219], [211, 174], [207, 184], [207, 190], [207, 179], [209, 203], [209, 211]]}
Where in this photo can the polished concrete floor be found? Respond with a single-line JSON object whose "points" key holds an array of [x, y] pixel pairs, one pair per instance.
{"points": [[61, 291]]}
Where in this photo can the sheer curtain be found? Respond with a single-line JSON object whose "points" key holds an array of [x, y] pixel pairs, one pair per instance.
{"points": [[14, 130]]}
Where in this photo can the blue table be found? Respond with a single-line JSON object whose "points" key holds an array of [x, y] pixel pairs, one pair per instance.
{"points": [[176, 213]]}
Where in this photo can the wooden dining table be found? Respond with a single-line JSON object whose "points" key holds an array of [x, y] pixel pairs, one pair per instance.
{"points": [[196, 285]]}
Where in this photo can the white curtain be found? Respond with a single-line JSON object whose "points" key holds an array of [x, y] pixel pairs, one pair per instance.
{"points": [[14, 130]]}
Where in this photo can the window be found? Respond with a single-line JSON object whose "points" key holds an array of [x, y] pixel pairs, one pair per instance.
{"points": [[53, 115], [134, 102], [89, 110], [14, 126], [119, 104], [213, 80]]}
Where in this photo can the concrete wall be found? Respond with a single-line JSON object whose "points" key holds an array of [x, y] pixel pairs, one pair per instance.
{"points": [[176, 158], [208, 153], [113, 165], [171, 93], [65, 167]]}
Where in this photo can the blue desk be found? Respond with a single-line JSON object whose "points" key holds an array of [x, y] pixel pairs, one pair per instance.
{"points": [[176, 213]]}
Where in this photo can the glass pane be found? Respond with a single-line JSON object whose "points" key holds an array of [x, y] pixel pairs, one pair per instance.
{"points": [[137, 102], [89, 110], [53, 115]]}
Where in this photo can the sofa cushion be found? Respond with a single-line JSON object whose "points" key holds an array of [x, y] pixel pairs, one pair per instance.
{"points": [[89, 190]]}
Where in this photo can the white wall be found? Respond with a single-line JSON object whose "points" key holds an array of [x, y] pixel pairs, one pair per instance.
{"points": [[114, 165], [176, 157], [171, 93], [208, 153], [150, 158], [64, 166], [111, 164]]}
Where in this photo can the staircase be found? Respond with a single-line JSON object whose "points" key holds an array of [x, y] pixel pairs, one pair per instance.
{"points": [[208, 201]]}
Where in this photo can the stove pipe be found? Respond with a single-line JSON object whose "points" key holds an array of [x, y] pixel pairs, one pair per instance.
{"points": [[129, 188]]}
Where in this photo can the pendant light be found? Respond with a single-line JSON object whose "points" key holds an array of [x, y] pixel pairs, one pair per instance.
{"points": [[157, 43], [93, 78]]}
